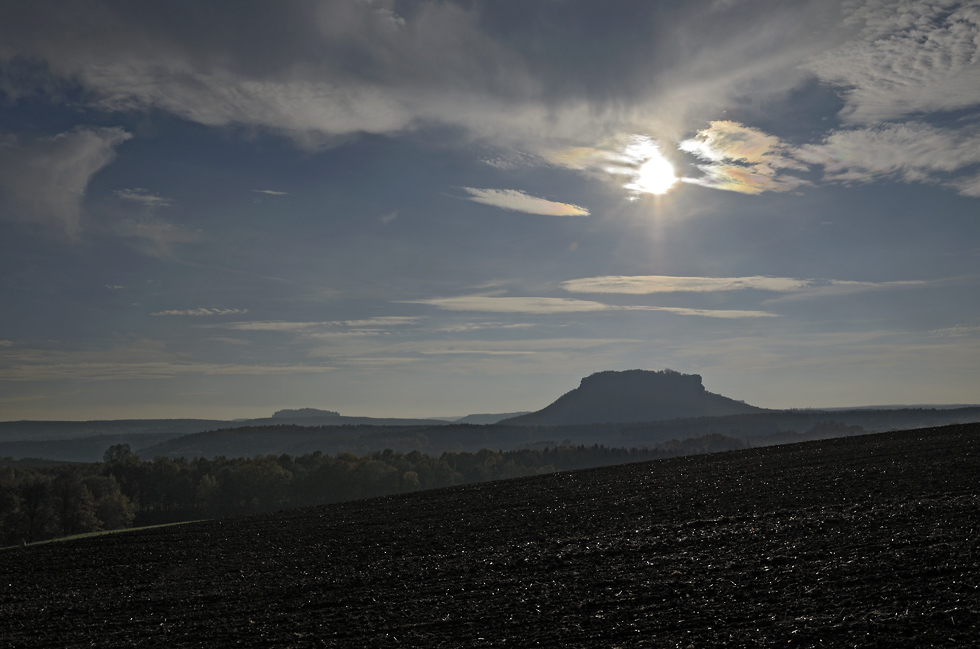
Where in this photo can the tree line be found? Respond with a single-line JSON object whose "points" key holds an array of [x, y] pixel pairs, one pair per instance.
{"points": [[43, 502]]}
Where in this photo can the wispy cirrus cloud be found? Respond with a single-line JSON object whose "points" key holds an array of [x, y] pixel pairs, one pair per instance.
{"points": [[725, 314], [156, 237], [483, 352], [143, 196], [278, 325], [201, 311], [957, 332], [969, 186], [43, 180], [911, 152], [380, 321], [517, 201], [558, 305], [110, 371], [270, 192], [648, 284], [477, 326], [141, 360], [532, 305]]}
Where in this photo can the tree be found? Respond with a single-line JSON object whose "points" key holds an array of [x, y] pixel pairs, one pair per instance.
{"points": [[117, 452], [9, 510], [75, 504], [35, 508], [113, 509]]}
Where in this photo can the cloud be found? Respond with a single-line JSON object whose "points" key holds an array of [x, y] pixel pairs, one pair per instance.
{"points": [[824, 288], [790, 288], [202, 311], [476, 326], [957, 331], [273, 326], [648, 284], [526, 345], [557, 305], [533, 305], [726, 314], [909, 57], [509, 160], [747, 160], [645, 284], [725, 140], [742, 159], [380, 321], [6, 343], [313, 72], [114, 371], [230, 341], [326, 335], [141, 360], [322, 72], [518, 201], [969, 186], [912, 152], [141, 195], [270, 192], [156, 236], [485, 352], [43, 180], [387, 15], [277, 325]]}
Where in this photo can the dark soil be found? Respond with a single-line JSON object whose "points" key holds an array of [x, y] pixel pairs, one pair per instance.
{"points": [[869, 541]]}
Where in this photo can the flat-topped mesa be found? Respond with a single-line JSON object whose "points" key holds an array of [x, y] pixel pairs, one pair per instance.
{"points": [[635, 395], [303, 413]]}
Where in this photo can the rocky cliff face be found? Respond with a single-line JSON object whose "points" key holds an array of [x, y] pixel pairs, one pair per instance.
{"points": [[635, 395]]}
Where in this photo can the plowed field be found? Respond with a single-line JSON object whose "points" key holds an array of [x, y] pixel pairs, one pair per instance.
{"points": [[868, 541]]}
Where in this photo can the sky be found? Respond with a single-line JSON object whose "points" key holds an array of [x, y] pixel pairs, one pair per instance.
{"points": [[437, 208]]}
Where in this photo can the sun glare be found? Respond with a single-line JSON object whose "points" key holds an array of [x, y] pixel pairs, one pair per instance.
{"points": [[653, 173], [656, 176]]}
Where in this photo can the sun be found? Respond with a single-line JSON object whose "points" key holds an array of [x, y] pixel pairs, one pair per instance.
{"points": [[652, 173], [656, 176]]}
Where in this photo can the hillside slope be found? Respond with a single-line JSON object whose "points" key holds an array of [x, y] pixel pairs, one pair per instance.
{"points": [[761, 428], [634, 395], [861, 541]]}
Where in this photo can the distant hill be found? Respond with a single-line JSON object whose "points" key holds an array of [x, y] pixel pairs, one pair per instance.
{"points": [[634, 395], [303, 413], [489, 418], [60, 430], [314, 417], [635, 408]]}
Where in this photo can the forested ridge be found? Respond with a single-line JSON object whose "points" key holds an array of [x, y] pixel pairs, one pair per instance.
{"points": [[43, 502]]}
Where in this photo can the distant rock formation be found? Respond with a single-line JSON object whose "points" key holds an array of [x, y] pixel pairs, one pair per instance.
{"points": [[317, 417], [634, 395], [303, 413]]}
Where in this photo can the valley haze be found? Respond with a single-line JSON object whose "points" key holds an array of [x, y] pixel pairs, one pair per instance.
{"points": [[629, 409]]}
